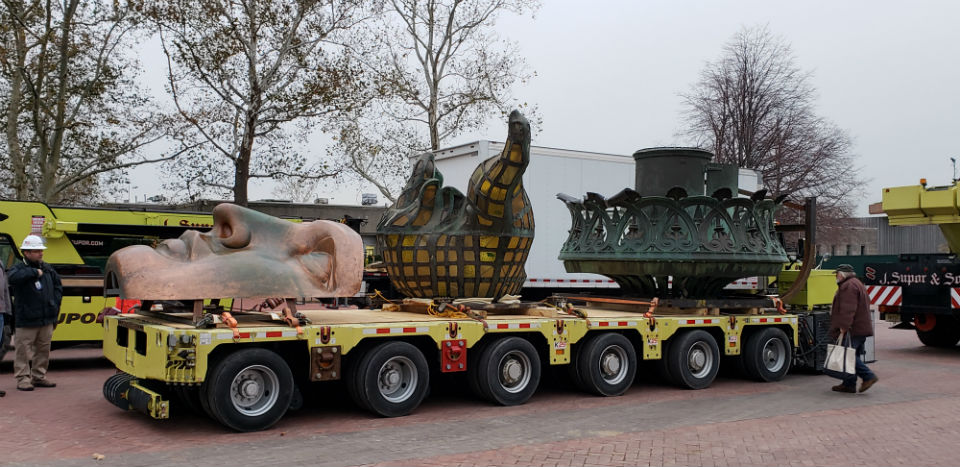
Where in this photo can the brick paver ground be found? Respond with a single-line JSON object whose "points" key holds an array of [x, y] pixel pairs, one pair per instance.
{"points": [[908, 418]]}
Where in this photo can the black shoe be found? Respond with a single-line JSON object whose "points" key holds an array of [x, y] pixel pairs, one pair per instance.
{"points": [[842, 388], [3, 393], [866, 384], [44, 383]]}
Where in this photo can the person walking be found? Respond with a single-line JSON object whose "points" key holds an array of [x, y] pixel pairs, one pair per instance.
{"points": [[37, 292], [850, 316], [6, 311]]}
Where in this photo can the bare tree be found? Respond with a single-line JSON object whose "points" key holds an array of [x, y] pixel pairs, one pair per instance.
{"points": [[251, 77], [297, 191], [72, 110], [440, 70], [754, 107]]}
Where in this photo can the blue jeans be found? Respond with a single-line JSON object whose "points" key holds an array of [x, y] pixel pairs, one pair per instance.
{"points": [[862, 370], [1, 329]]}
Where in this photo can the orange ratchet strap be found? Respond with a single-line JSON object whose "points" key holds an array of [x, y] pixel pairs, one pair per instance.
{"points": [[229, 320]]}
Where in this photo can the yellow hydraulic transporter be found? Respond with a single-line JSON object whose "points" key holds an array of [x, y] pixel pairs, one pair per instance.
{"points": [[247, 367]]}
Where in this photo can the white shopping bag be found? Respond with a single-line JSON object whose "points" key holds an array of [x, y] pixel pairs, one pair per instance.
{"points": [[841, 358]]}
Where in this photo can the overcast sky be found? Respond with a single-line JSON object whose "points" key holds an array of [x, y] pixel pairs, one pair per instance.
{"points": [[609, 75]]}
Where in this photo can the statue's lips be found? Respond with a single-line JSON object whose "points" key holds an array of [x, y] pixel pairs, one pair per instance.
{"points": [[145, 274]]}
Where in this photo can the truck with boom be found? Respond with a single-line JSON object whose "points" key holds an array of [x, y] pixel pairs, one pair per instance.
{"points": [[921, 291]]}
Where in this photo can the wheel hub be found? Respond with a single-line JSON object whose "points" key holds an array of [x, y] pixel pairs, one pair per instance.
{"points": [[250, 389], [697, 360], [773, 355], [390, 378], [514, 369], [610, 364], [397, 379], [512, 372], [254, 390]]}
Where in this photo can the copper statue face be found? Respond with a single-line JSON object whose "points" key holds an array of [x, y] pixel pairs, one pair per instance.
{"points": [[246, 254]]}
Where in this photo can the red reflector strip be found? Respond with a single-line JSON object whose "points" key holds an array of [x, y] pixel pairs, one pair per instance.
{"points": [[513, 326], [244, 335], [409, 329], [274, 333], [383, 330]]}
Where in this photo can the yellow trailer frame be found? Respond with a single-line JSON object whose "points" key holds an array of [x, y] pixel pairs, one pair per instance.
{"points": [[153, 349]]}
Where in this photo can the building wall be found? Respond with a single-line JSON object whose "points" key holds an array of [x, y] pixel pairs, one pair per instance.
{"points": [[874, 236]]}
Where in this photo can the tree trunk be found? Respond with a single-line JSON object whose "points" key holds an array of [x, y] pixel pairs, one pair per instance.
{"points": [[241, 175], [18, 163], [242, 171]]}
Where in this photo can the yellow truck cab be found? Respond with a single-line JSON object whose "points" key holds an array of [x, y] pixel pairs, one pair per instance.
{"points": [[79, 241]]}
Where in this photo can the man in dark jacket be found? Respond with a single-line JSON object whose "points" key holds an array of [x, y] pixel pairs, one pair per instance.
{"points": [[37, 293], [850, 315]]}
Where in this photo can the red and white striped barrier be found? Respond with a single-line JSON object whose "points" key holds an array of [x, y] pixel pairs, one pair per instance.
{"points": [[888, 295], [955, 297]]}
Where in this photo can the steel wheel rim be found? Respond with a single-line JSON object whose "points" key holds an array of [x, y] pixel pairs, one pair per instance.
{"points": [[700, 359], [397, 379], [254, 390], [613, 364], [774, 355], [514, 371]]}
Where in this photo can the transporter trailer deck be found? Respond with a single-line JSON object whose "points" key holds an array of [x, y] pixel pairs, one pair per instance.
{"points": [[247, 376]]}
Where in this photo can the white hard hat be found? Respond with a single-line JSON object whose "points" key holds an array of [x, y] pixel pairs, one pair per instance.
{"points": [[33, 242]]}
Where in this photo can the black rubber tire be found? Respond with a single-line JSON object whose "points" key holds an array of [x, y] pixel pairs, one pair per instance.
{"points": [[389, 359], [688, 345], [945, 332], [767, 355], [353, 378], [663, 365], [271, 370], [511, 351], [473, 360], [189, 396], [590, 365], [572, 372], [297, 401], [204, 401]]}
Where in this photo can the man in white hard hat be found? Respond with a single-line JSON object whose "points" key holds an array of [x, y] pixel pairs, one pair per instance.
{"points": [[37, 293]]}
